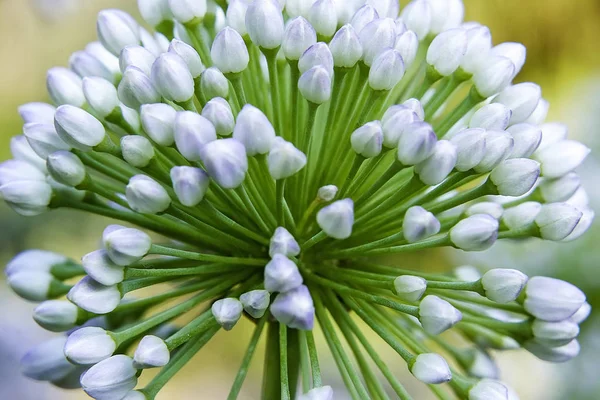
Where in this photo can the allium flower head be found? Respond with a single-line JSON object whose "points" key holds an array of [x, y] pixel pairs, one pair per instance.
{"points": [[261, 155]]}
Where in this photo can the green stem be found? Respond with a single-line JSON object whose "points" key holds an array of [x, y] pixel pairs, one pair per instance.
{"points": [[283, 362], [168, 251], [271, 387]]}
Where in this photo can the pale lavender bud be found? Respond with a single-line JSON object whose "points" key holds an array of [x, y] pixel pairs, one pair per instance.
{"points": [[417, 17], [41, 113], [46, 361], [550, 299], [125, 245], [419, 224], [583, 225], [137, 150], [515, 52], [470, 146], [66, 168], [236, 16], [298, 37], [479, 43], [493, 116], [416, 143], [386, 71], [117, 29], [43, 139], [31, 285], [437, 166], [486, 207], [445, 14], [256, 302], [189, 55], [226, 162], [83, 63], [190, 184], [172, 78], [254, 131], [327, 193], [394, 122], [136, 89], [538, 116], [21, 150], [227, 312], [489, 389], [158, 121], [186, 11], [386, 8], [376, 36], [281, 274], [101, 95], [218, 112], [526, 137], [499, 145], [521, 98], [363, 16], [503, 285], [407, 44], [437, 315], [559, 189], [264, 23], [294, 308], [410, 287], [110, 379], [89, 345], [214, 84], [192, 133], [102, 269], [284, 160], [315, 85], [146, 196], [138, 57], [316, 55], [367, 140], [431, 368], [553, 354], [557, 220], [282, 242], [475, 233], [229, 52], [94, 297], [554, 334], [64, 87], [336, 219], [323, 17], [345, 47], [582, 314], [561, 157], [78, 128], [154, 11], [493, 76], [447, 50], [56, 315], [522, 215]]}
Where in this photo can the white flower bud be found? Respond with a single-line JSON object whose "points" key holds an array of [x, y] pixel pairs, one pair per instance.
{"points": [[27, 197], [557, 220], [282, 242], [21, 150], [66, 168], [154, 11], [94, 297], [315, 85], [84, 63], [554, 334], [317, 55], [282, 274], [553, 354], [376, 36], [336, 219], [522, 215], [552, 132], [189, 55], [318, 393], [56, 315], [138, 57], [410, 287], [538, 116], [256, 302], [172, 78], [125, 245], [437, 315], [226, 162], [345, 47], [192, 132], [363, 16], [89, 345], [264, 23], [386, 8], [447, 50], [78, 128], [394, 122], [298, 37], [407, 44], [188, 10], [481, 365], [470, 146], [521, 98], [101, 95], [41, 113], [218, 112], [515, 177], [227, 312], [416, 143], [236, 16], [367, 140], [559, 189], [493, 116], [15, 170], [136, 89], [580, 199], [294, 308], [493, 75], [254, 131], [489, 389], [152, 352], [64, 87], [214, 84], [110, 379], [486, 207], [146, 196], [479, 43], [46, 361], [102, 269], [31, 285], [323, 17], [117, 29], [137, 150], [104, 56], [515, 52], [526, 138], [582, 314], [503, 285], [327, 193], [431, 368], [419, 224], [445, 14], [582, 226], [475, 233], [437, 166], [551, 299], [229, 52], [158, 121], [498, 146], [417, 17], [190, 184], [386, 71], [560, 158]]}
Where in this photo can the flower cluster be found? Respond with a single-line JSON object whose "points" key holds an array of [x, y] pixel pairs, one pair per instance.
{"points": [[276, 149]]}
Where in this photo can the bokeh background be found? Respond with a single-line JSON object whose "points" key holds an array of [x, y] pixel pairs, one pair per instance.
{"points": [[562, 38]]}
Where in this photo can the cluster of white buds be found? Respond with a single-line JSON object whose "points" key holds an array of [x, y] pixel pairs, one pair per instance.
{"points": [[277, 148]]}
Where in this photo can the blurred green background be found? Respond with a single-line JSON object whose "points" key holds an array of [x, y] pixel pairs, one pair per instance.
{"points": [[562, 39]]}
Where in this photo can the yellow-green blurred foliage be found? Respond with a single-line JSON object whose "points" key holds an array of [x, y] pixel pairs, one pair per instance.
{"points": [[561, 36]]}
